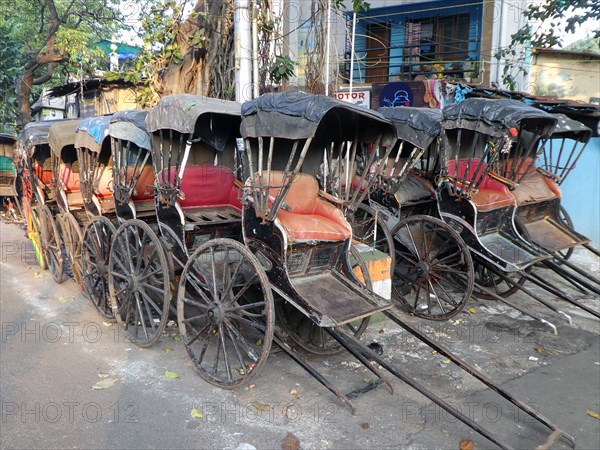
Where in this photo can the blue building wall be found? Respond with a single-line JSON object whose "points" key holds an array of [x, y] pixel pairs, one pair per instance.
{"points": [[396, 17], [581, 193]]}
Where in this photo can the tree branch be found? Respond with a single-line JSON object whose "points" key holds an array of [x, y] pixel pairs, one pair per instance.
{"points": [[49, 72]]}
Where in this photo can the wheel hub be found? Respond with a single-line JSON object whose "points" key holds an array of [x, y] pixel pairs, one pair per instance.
{"points": [[215, 314], [102, 269], [132, 284], [422, 269]]}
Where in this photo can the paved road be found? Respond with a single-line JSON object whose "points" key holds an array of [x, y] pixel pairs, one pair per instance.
{"points": [[54, 347]]}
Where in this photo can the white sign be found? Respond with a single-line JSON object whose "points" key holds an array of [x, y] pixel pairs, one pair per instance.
{"points": [[360, 98]]}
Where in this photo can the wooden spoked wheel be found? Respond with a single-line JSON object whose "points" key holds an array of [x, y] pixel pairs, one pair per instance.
{"points": [[433, 277], [52, 244], [95, 253], [308, 335], [138, 281], [225, 313], [73, 241]]}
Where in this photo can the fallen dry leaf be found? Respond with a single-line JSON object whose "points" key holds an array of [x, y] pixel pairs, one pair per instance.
{"points": [[167, 349], [290, 442], [171, 374], [472, 310], [295, 393], [103, 375], [104, 384], [466, 445], [365, 425], [539, 350]]}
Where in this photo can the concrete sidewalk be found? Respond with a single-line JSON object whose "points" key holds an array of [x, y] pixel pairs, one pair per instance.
{"points": [[54, 347]]}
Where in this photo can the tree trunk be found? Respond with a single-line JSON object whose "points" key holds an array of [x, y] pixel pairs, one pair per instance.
{"points": [[204, 70]]}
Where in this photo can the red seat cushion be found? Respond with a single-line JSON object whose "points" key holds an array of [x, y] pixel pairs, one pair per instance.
{"points": [[491, 194], [310, 218], [69, 177], [207, 186]]}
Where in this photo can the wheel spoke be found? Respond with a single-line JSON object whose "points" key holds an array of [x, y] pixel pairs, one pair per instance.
{"points": [[245, 307], [198, 334], [225, 357], [235, 348]]}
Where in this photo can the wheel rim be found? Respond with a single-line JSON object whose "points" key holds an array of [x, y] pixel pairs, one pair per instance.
{"points": [[138, 281], [73, 238], [433, 277], [225, 313], [95, 255], [52, 244]]}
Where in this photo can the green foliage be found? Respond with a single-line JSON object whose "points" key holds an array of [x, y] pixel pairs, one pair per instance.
{"points": [[282, 69], [49, 47], [11, 59], [545, 20], [589, 45]]}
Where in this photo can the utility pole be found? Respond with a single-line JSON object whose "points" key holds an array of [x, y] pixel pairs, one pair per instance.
{"points": [[243, 50]]}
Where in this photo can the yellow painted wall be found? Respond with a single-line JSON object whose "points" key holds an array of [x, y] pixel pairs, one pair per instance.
{"points": [[566, 76]]}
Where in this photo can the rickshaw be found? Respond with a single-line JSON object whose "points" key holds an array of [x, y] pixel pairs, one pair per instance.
{"points": [[433, 271], [8, 176], [93, 146], [133, 200], [477, 202], [538, 196], [39, 196], [302, 239], [69, 212]]}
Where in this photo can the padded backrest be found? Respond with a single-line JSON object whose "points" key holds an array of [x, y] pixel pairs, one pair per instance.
{"points": [[302, 194], [207, 185], [522, 167], [392, 171], [69, 177], [105, 182], [144, 188], [44, 175], [6, 164], [475, 169]]}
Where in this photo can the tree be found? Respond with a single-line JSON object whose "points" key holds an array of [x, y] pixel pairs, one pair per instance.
{"points": [[547, 21], [194, 53], [53, 35], [11, 60], [182, 53]]}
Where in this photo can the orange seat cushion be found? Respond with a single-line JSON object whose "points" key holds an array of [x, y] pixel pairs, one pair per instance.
{"points": [[44, 175], [69, 177], [144, 188], [105, 183], [206, 186], [491, 194], [310, 218], [535, 187]]}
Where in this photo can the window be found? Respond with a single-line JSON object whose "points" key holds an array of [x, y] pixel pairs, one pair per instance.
{"points": [[437, 39]]}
